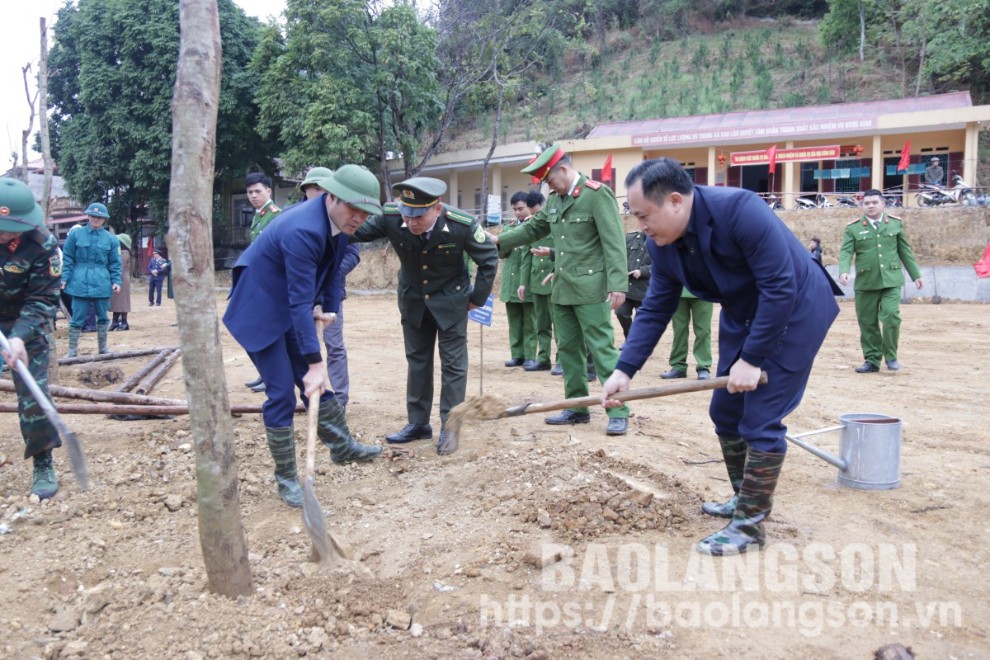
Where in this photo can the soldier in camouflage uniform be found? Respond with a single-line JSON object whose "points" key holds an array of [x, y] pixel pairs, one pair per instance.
{"points": [[29, 288], [435, 294], [879, 246]]}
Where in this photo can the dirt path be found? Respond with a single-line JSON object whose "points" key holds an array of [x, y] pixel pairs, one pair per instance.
{"points": [[452, 544]]}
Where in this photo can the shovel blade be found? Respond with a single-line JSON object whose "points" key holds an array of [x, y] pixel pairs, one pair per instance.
{"points": [[77, 460], [315, 521]]}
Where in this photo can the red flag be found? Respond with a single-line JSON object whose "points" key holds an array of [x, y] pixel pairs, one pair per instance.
{"points": [[983, 265], [772, 155], [607, 170], [151, 245], [905, 161]]}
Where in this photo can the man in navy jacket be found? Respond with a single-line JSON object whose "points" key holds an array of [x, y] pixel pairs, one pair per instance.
{"points": [[277, 282], [726, 246]]}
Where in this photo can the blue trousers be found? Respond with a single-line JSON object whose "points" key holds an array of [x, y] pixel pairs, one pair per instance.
{"points": [[333, 338], [80, 310], [282, 367]]}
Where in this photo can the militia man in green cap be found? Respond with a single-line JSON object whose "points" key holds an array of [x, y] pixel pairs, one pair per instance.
{"points": [[435, 295], [30, 281], [589, 275], [877, 243]]}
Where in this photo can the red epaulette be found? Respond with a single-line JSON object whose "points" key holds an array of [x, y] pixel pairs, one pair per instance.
{"points": [[594, 185]]}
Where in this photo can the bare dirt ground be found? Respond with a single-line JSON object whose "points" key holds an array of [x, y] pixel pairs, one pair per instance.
{"points": [[451, 545]]}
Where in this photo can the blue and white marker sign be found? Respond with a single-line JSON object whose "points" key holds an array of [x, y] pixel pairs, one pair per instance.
{"points": [[483, 315]]}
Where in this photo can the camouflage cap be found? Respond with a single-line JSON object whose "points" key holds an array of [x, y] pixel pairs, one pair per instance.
{"points": [[545, 162], [314, 175], [355, 185], [418, 195], [19, 212], [97, 210]]}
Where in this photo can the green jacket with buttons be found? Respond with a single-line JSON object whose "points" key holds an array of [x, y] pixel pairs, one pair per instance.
{"points": [[590, 248], [516, 272], [433, 273], [541, 267], [878, 253]]}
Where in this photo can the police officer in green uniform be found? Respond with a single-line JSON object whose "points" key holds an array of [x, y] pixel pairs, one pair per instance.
{"points": [[589, 274], [435, 294], [638, 267], [539, 289], [877, 242], [259, 193], [30, 280], [516, 273], [696, 313]]}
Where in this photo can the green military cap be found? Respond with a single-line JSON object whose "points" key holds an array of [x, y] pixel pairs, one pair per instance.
{"points": [[125, 240], [314, 175], [418, 195], [97, 210], [354, 185], [19, 212], [545, 162]]}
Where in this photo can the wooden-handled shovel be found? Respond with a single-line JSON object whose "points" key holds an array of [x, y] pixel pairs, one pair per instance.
{"points": [[489, 408], [77, 460]]}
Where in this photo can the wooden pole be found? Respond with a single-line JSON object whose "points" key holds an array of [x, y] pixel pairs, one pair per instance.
{"points": [[123, 409], [131, 382], [100, 396], [152, 380], [82, 359]]}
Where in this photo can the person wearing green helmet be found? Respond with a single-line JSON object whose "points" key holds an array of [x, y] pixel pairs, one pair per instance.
{"points": [[277, 282], [91, 272], [30, 277]]}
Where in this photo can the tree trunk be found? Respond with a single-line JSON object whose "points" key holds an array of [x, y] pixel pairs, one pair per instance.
{"points": [[194, 123], [862, 32], [491, 150], [46, 143], [26, 134]]}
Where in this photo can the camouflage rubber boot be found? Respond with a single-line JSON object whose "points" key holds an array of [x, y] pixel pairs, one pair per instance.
{"points": [[734, 453], [334, 433], [45, 483], [73, 342], [282, 445], [101, 338], [745, 531]]}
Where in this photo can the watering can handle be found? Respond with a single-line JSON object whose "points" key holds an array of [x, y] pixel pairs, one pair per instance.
{"points": [[820, 453]]}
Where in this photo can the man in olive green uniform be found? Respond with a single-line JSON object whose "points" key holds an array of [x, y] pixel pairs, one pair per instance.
{"points": [[879, 246], [540, 288], [259, 193], [638, 267], [435, 295], [30, 280], [589, 274], [691, 311], [518, 309]]}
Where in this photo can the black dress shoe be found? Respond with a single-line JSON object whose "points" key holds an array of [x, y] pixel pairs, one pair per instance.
{"points": [[893, 365], [252, 383], [533, 365], [568, 417], [447, 443], [704, 374], [867, 368], [592, 376], [617, 426], [515, 362], [673, 373], [260, 387], [557, 370], [124, 326], [411, 432]]}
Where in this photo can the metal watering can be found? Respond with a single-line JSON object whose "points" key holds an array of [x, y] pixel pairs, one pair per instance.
{"points": [[869, 450]]}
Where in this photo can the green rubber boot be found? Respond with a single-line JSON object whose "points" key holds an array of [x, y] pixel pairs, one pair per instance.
{"points": [[45, 483], [745, 532], [73, 342], [282, 445], [734, 453], [334, 433], [101, 338]]}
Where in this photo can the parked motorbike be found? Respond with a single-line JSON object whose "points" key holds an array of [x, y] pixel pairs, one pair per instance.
{"points": [[934, 195], [818, 201], [773, 202], [893, 197], [844, 201]]}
